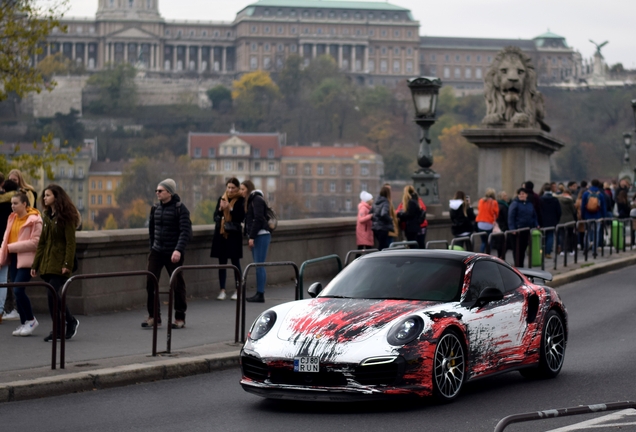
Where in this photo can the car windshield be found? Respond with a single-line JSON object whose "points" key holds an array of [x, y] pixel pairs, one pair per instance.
{"points": [[399, 277]]}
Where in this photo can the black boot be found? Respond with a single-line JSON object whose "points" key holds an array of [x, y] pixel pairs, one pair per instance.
{"points": [[256, 298]]}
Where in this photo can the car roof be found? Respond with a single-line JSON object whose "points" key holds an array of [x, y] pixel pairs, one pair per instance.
{"points": [[430, 253]]}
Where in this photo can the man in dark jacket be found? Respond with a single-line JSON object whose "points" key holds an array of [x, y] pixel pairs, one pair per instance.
{"points": [[170, 231], [594, 206], [551, 209], [533, 197], [522, 215]]}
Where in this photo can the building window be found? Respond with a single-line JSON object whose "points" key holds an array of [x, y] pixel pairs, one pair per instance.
{"points": [[267, 62], [348, 187], [254, 47], [433, 57], [396, 51], [371, 32], [307, 186], [433, 71], [292, 48], [99, 184], [383, 66], [409, 66], [266, 29], [271, 166], [228, 165], [447, 58], [80, 187], [234, 151], [371, 65], [489, 59], [257, 166], [396, 33], [332, 203], [253, 63], [320, 186], [92, 184], [280, 48], [319, 30], [254, 29], [363, 186], [478, 59], [364, 169], [240, 166], [197, 152], [396, 66], [478, 73], [92, 199], [308, 203], [61, 171], [266, 47], [468, 73], [332, 186], [270, 153], [307, 169], [109, 185], [320, 170], [205, 33], [291, 169], [458, 73], [409, 33], [409, 51], [211, 152], [383, 33], [109, 199], [467, 58], [257, 153], [348, 170], [212, 166], [332, 170], [99, 199], [348, 204]]}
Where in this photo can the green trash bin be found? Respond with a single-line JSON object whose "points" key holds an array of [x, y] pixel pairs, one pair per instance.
{"points": [[617, 234], [536, 247], [456, 247]]}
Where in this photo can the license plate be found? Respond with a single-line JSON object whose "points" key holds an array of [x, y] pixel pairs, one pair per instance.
{"points": [[306, 364]]}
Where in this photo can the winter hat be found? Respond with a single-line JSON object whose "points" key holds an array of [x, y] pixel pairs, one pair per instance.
{"points": [[169, 185], [365, 196]]}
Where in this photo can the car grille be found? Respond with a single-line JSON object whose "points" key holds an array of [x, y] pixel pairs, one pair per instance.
{"points": [[253, 368], [381, 374]]}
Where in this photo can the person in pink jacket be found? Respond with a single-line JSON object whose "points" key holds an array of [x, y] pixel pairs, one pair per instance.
{"points": [[364, 233], [18, 248]]}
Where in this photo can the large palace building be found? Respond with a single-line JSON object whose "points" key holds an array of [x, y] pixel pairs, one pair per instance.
{"points": [[374, 42]]}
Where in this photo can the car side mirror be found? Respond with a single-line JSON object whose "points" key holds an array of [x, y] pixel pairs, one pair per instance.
{"points": [[488, 295], [314, 289]]}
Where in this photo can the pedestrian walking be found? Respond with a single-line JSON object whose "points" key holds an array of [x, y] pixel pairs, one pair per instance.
{"points": [[593, 207], [551, 209], [8, 311], [412, 215], [382, 220], [462, 217], [622, 199], [567, 236], [20, 241], [227, 241], [258, 233], [55, 255], [364, 232], [170, 230], [521, 214], [487, 213]]}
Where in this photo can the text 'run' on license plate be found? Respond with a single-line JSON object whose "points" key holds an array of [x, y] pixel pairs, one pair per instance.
{"points": [[306, 364]]}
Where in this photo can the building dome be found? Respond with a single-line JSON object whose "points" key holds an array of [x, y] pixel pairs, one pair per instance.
{"points": [[129, 10]]}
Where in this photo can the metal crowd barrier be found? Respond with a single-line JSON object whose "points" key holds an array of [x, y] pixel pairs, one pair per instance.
{"points": [[241, 299], [569, 232], [180, 269], [299, 294], [481, 235], [105, 276], [516, 251], [432, 242], [359, 252], [55, 310], [456, 240], [562, 412], [404, 245], [501, 253]]}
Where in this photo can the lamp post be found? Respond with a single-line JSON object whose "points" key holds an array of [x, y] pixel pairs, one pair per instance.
{"points": [[425, 91], [626, 172]]}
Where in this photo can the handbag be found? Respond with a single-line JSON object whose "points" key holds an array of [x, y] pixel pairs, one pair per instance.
{"points": [[496, 229], [230, 227]]}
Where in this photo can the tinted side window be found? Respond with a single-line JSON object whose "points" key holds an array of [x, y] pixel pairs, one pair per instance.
{"points": [[485, 274], [511, 280]]}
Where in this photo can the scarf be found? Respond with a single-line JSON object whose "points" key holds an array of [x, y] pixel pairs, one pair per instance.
{"points": [[227, 215]]}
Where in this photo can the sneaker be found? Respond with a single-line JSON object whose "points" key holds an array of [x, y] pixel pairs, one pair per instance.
{"points": [[17, 331], [256, 298], [561, 253], [234, 296], [149, 323], [11, 316], [49, 338], [178, 324], [222, 295], [28, 327], [71, 329], [548, 256], [572, 253]]}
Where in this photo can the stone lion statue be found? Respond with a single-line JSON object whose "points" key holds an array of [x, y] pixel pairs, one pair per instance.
{"points": [[512, 98]]}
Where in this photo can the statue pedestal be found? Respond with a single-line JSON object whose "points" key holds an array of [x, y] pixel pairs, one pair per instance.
{"points": [[425, 182], [509, 157]]}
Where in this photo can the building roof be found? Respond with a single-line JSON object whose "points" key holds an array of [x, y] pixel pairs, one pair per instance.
{"points": [[261, 141], [473, 43], [326, 152], [330, 4], [549, 35]]}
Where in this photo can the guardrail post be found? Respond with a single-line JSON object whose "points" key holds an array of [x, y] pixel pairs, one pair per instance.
{"points": [[432, 242], [313, 261]]}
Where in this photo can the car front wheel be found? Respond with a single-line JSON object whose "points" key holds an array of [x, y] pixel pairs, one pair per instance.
{"points": [[449, 367]]}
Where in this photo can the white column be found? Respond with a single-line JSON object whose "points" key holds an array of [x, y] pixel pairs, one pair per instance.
{"points": [[86, 54], [152, 57], [187, 58], [174, 57], [314, 51], [138, 52], [353, 58], [212, 59], [224, 68], [125, 52], [365, 67], [340, 56], [199, 58], [73, 51]]}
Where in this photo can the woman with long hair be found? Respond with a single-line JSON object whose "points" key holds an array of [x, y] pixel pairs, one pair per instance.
{"points": [[16, 176], [409, 212], [382, 220], [487, 213], [462, 216], [20, 241], [227, 242], [55, 254], [258, 233]]}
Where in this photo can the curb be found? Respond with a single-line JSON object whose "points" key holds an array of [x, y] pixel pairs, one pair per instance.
{"points": [[592, 270], [116, 377]]}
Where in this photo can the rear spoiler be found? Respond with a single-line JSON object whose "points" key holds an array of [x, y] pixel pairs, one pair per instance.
{"points": [[533, 274]]}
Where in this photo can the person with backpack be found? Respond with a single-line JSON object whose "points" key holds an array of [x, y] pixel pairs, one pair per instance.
{"points": [[170, 230], [412, 215], [55, 255], [382, 220], [258, 232], [594, 206]]}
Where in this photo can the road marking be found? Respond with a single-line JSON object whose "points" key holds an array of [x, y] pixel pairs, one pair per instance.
{"points": [[600, 422]]}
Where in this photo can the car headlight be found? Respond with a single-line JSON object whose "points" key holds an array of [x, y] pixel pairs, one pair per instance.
{"points": [[262, 325], [405, 331]]}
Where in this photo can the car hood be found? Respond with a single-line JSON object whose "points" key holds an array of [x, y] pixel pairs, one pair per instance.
{"points": [[343, 320]]}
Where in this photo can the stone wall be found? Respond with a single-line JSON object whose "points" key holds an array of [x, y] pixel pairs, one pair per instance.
{"points": [[127, 250], [66, 95]]}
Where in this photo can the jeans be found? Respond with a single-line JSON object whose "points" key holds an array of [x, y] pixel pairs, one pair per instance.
{"points": [[484, 239], [57, 282], [21, 299], [549, 242], [589, 238], [383, 239], [520, 248], [223, 272], [259, 254], [157, 261], [4, 272]]}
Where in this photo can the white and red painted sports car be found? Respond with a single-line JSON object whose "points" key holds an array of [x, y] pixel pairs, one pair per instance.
{"points": [[407, 322]]}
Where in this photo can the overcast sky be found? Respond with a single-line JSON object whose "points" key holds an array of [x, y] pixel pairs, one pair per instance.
{"points": [[576, 20]]}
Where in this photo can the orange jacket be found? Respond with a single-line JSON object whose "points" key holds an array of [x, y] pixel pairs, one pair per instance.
{"points": [[488, 210]]}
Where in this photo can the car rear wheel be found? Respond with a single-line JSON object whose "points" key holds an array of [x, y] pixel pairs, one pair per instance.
{"points": [[552, 352], [449, 367]]}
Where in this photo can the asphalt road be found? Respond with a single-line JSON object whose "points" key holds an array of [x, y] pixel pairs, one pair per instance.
{"points": [[598, 368]]}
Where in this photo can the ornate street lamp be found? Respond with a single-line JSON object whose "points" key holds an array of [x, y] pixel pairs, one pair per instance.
{"points": [[627, 140], [626, 172], [425, 91], [634, 109]]}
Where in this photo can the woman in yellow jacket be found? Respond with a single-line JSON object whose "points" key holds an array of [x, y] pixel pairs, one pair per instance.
{"points": [[19, 244], [488, 210]]}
